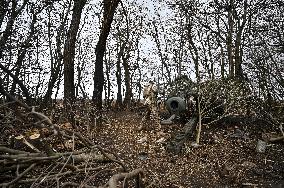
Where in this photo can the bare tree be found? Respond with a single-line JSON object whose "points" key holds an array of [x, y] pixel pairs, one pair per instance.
{"points": [[69, 50], [109, 10], [56, 55]]}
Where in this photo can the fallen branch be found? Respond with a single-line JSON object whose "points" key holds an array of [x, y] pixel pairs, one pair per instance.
{"points": [[21, 157], [4, 149], [114, 180], [18, 177], [281, 129], [43, 118], [103, 151], [61, 164], [278, 138], [73, 184], [57, 175]]}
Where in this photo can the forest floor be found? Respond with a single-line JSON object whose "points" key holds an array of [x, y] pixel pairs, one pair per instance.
{"points": [[226, 156]]}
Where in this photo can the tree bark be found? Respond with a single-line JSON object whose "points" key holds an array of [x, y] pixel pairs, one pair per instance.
{"points": [[109, 10], [119, 81], [108, 82], [69, 51], [230, 40], [193, 50], [238, 46], [128, 92]]}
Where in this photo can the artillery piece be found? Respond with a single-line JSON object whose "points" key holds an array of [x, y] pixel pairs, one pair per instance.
{"points": [[218, 99], [181, 100], [176, 106]]}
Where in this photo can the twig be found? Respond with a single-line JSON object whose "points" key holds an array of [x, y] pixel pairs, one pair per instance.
{"points": [[23, 158], [11, 151], [53, 176], [278, 138], [7, 103], [30, 145], [73, 184], [83, 184], [281, 129], [112, 159], [13, 167], [41, 116], [18, 177]]}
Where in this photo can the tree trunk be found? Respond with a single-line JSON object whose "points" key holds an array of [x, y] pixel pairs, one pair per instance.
{"points": [[3, 10], [109, 10], [195, 57], [128, 92], [69, 51], [10, 23], [118, 77], [222, 54], [108, 82], [163, 59], [238, 46], [56, 60], [193, 49], [222, 62], [230, 41], [27, 43]]}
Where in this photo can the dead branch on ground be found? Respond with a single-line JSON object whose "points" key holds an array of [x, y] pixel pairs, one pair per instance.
{"points": [[24, 164]]}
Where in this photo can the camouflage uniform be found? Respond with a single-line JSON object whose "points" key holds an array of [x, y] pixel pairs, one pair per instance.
{"points": [[150, 96]]}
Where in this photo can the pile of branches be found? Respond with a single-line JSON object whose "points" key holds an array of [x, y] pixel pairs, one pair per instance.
{"points": [[31, 156]]}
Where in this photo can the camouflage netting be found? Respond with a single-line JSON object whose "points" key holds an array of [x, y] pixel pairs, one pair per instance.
{"points": [[218, 97], [227, 100], [230, 97], [180, 87]]}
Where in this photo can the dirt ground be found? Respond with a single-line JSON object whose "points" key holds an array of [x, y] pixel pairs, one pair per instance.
{"points": [[226, 156]]}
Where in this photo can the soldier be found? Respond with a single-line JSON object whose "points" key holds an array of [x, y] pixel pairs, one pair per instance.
{"points": [[150, 96]]}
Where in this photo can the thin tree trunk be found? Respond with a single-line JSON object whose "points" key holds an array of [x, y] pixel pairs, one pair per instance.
{"points": [[230, 41], [163, 61], [238, 47], [128, 92], [3, 10], [222, 54], [10, 23], [125, 57], [56, 61], [118, 77], [23, 51], [108, 83], [193, 50]]}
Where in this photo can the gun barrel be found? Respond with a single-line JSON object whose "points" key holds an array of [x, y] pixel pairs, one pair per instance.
{"points": [[176, 105]]}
